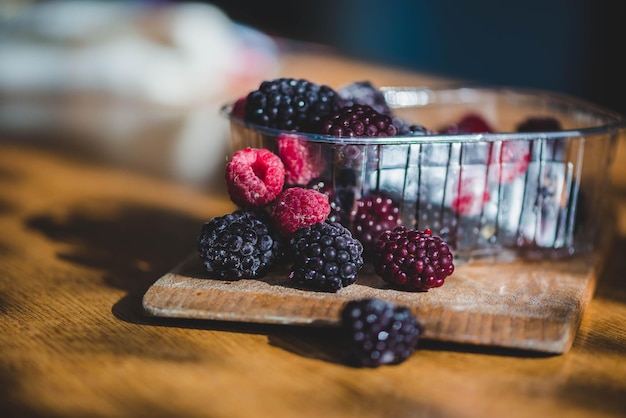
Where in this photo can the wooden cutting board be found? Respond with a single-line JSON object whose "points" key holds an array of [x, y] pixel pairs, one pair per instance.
{"points": [[524, 305]]}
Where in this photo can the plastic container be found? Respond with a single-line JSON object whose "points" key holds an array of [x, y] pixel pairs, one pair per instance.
{"points": [[499, 195]]}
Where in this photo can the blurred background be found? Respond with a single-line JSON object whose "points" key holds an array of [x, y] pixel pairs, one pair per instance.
{"points": [[572, 46], [140, 83]]}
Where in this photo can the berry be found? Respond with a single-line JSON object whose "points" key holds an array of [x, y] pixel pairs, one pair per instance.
{"points": [[239, 108], [468, 202], [553, 149], [239, 245], [419, 130], [325, 257], [297, 208], [323, 186], [379, 332], [412, 259], [254, 177], [291, 104], [469, 124], [471, 194], [539, 124], [302, 162], [372, 216], [511, 161], [364, 93], [359, 121]]}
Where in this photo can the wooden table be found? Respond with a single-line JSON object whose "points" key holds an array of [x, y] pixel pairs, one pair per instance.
{"points": [[86, 232]]}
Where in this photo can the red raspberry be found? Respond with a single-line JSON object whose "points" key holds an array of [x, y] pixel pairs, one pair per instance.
{"points": [[302, 163], [469, 124], [239, 108], [297, 207], [511, 161], [471, 194], [254, 177], [412, 259]]}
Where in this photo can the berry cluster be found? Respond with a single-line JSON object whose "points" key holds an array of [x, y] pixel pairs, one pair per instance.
{"points": [[239, 245], [378, 332], [413, 260], [326, 257]]}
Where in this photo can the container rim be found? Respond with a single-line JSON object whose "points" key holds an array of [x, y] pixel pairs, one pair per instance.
{"points": [[402, 97]]}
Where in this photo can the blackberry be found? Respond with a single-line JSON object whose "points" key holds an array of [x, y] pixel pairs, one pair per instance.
{"points": [[372, 216], [359, 121], [412, 259], [539, 124], [239, 245], [325, 257], [378, 332], [291, 104]]}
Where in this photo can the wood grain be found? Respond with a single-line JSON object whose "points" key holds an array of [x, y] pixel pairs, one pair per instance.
{"points": [[82, 239], [521, 304]]}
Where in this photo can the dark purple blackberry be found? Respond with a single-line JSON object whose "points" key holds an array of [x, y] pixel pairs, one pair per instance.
{"points": [[325, 257], [323, 186], [364, 93], [378, 332], [412, 260], [539, 124], [359, 121], [372, 216], [291, 104], [239, 245], [405, 129]]}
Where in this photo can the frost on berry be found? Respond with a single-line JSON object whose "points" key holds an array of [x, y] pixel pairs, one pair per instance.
{"points": [[359, 121], [297, 207], [242, 244], [303, 160], [378, 332], [254, 177], [326, 257], [411, 259], [373, 215]]}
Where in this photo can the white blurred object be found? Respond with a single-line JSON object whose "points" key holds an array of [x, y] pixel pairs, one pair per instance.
{"points": [[176, 55]]}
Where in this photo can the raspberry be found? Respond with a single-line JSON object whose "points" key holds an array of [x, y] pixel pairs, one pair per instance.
{"points": [[359, 121], [412, 259], [291, 104], [325, 257], [379, 332], [239, 108], [323, 186], [239, 245], [468, 203], [372, 216], [471, 194], [297, 208], [511, 161], [254, 177], [469, 124], [302, 163]]}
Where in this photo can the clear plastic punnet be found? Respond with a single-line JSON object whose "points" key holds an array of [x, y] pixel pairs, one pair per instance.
{"points": [[493, 196]]}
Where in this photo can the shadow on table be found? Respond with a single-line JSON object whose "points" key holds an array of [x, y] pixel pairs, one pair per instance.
{"points": [[132, 244], [136, 244]]}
